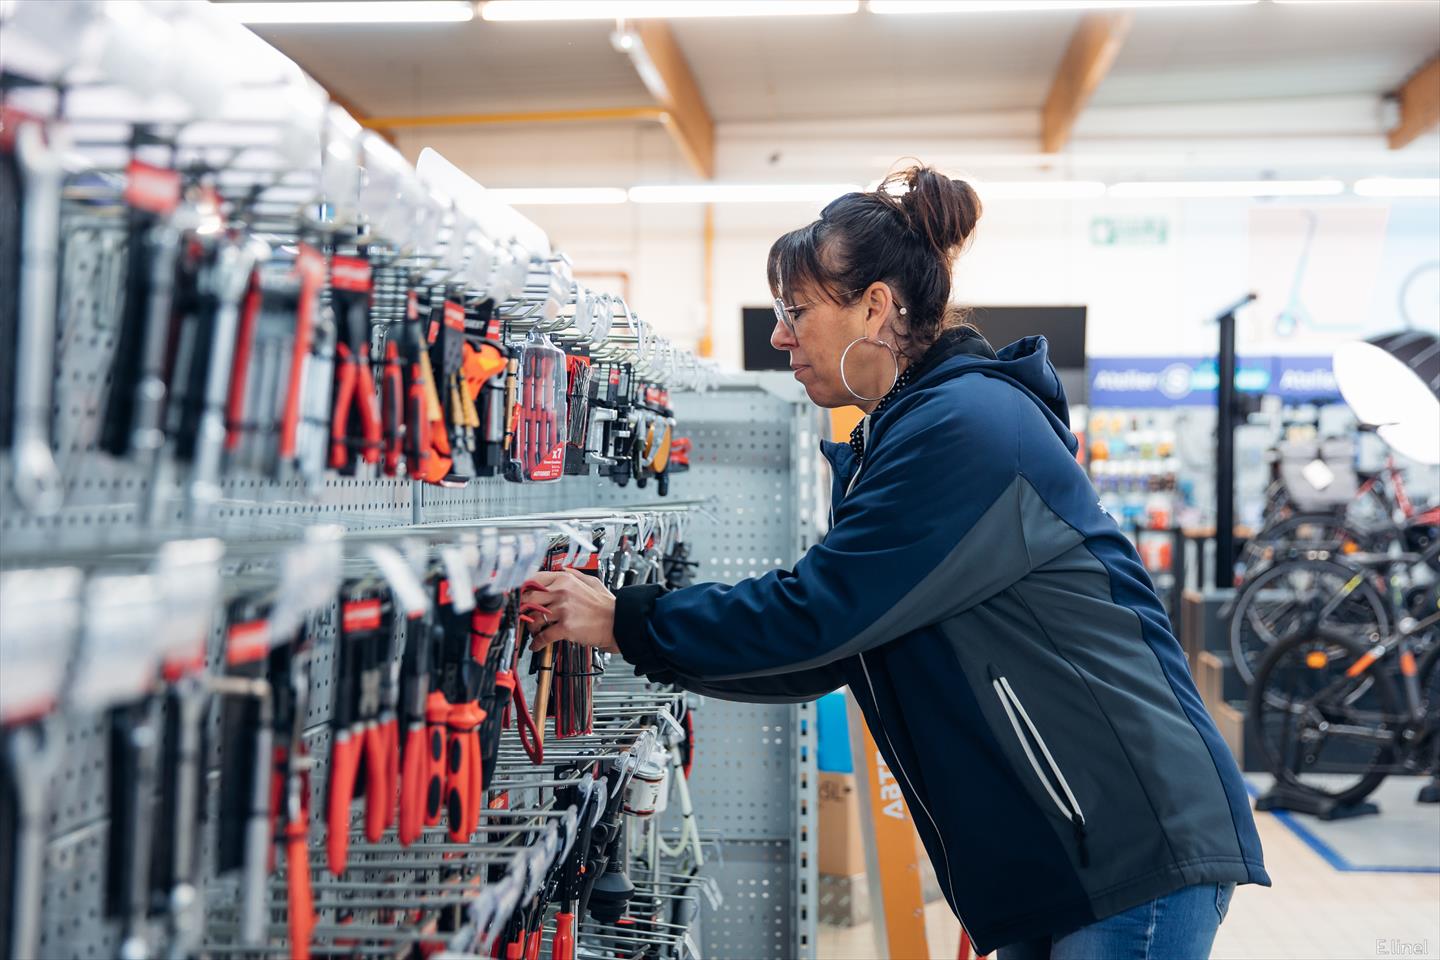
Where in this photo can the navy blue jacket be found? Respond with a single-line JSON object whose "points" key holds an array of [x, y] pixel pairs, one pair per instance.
{"points": [[1006, 647]]}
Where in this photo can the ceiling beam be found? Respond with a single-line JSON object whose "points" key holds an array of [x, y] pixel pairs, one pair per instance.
{"points": [[666, 74], [1419, 104], [1092, 51]]}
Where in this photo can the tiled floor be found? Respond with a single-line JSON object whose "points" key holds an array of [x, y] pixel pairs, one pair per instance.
{"points": [[1313, 912]]}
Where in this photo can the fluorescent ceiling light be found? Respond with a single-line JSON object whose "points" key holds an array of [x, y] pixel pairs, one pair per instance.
{"points": [[550, 196], [1229, 188], [739, 193], [1030, 6], [1397, 187], [659, 9], [1039, 189], [350, 11]]}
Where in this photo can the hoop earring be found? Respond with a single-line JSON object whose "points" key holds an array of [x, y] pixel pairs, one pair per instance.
{"points": [[894, 358]]}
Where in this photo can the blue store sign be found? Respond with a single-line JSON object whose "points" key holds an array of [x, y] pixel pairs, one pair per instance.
{"points": [[1191, 381]]}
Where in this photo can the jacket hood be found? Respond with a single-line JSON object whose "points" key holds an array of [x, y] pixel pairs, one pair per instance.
{"points": [[1024, 363]]}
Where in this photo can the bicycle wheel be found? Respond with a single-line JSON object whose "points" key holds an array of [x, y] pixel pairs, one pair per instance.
{"points": [[1315, 728], [1300, 531], [1297, 597]]}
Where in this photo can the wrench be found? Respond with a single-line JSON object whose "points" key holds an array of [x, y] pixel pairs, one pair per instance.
{"points": [[233, 267], [37, 480], [147, 434], [30, 756]]}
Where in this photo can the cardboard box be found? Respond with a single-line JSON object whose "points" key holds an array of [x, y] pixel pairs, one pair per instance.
{"points": [[842, 853]]}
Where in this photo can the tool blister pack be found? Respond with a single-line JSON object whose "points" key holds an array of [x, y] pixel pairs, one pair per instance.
{"points": [[328, 748]]}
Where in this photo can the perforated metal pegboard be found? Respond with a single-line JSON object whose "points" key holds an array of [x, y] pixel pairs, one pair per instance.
{"points": [[756, 462], [746, 438]]}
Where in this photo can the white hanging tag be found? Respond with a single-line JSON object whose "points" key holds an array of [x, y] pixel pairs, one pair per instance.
{"points": [[119, 659], [408, 590], [457, 571], [309, 579], [39, 623], [187, 576]]}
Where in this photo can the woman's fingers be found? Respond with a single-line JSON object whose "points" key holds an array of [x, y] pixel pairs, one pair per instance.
{"points": [[589, 584], [543, 580]]}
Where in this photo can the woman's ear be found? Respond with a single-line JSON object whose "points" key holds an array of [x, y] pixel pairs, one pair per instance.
{"points": [[878, 301]]}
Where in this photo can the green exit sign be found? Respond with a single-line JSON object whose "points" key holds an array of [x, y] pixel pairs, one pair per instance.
{"points": [[1129, 231]]}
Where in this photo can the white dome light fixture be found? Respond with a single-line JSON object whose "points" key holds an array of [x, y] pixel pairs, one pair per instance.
{"points": [[1392, 382]]}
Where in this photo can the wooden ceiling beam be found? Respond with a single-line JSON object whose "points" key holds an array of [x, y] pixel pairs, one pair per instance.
{"points": [[1419, 99], [350, 107], [666, 73], [1092, 51]]}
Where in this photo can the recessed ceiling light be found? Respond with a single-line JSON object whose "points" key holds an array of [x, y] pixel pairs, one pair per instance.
{"points": [[550, 196], [1180, 189], [351, 11], [741, 193], [1397, 187]]}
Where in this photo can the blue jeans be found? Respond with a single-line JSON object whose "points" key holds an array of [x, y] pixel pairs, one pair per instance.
{"points": [[1177, 926]]}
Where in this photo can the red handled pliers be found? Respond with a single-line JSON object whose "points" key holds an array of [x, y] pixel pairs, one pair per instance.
{"points": [[355, 396]]}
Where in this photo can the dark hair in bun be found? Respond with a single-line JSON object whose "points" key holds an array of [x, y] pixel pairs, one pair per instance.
{"points": [[905, 233]]}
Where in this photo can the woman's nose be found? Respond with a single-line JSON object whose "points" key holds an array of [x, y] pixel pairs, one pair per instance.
{"points": [[781, 338]]}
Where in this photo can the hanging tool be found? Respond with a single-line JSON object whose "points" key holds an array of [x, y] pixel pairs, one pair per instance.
{"points": [[134, 737], [446, 335], [30, 758], [36, 478], [419, 390], [289, 672], [415, 692], [11, 217], [355, 432], [247, 757], [467, 643], [588, 799], [175, 885], [357, 691], [152, 195], [240, 373], [581, 386], [309, 276], [392, 404], [233, 275], [386, 734]]}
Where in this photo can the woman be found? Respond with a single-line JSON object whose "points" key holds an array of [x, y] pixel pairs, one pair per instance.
{"points": [[1000, 634]]}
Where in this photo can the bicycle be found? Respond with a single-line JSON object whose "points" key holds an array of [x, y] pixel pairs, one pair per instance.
{"points": [[1324, 708], [1312, 588]]}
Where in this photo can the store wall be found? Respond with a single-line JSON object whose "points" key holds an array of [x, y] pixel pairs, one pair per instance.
{"points": [[1152, 273]]}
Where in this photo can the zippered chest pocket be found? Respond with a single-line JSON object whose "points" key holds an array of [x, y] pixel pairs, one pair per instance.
{"points": [[1042, 761]]}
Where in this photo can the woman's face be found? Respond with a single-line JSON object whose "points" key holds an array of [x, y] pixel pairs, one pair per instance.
{"points": [[822, 331]]}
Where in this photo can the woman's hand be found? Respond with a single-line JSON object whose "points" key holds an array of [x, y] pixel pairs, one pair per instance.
{"points": [[569, 605]]}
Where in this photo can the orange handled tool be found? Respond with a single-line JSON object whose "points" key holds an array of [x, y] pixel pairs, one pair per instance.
{"points": [[354, 725], [562, 946], [415, 689], [437, 711], [301, 903], [463, 793], [392, 409]]}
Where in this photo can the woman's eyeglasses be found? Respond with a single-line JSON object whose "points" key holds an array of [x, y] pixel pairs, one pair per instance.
{"points": [[786, 316]]}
